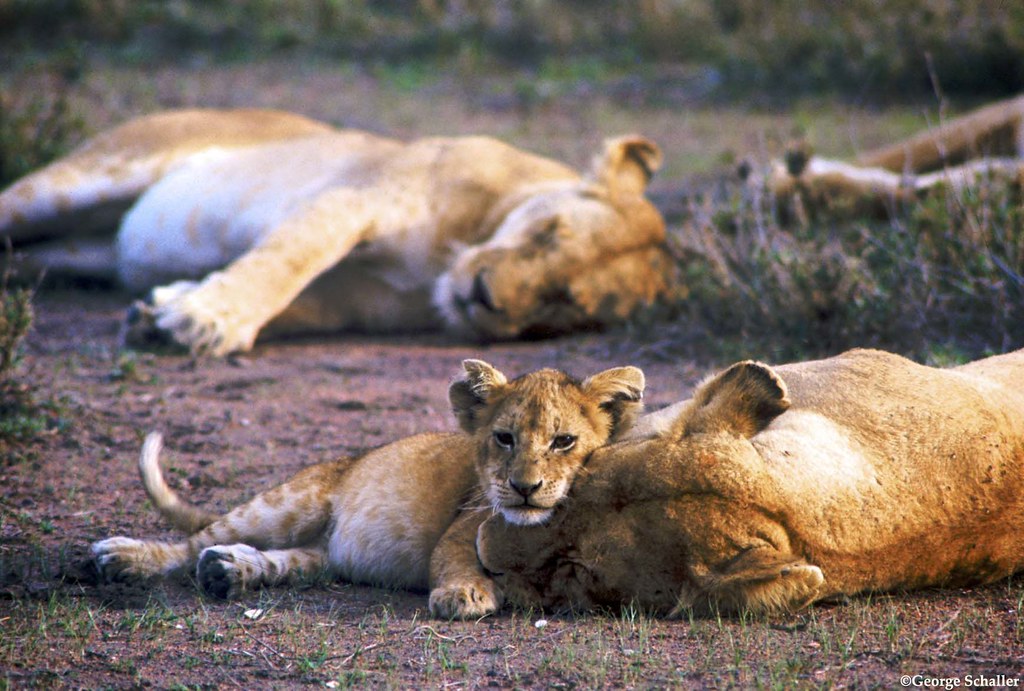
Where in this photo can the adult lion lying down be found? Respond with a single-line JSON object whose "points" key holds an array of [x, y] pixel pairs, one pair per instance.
{"points": [[773, 488], [243, 222]]}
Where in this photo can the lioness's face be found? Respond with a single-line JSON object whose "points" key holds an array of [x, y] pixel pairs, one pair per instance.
{"points": [[535, 433], [561, 260], [566, 255]]}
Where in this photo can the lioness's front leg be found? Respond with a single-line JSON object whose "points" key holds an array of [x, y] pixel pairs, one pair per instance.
{"points": [[459, 586], [762, 579], [225, 311]]}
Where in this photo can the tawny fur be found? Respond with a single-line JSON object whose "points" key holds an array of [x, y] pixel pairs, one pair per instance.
{"points": [[775, 487], [244, 222], [406, 514]]}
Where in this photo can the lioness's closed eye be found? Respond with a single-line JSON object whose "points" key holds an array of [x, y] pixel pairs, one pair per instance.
{"points": [[406, 514]]}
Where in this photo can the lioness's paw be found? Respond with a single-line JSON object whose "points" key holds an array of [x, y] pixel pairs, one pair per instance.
{"points": [[223, 571], [141, 332], [196, 316], [805, 582], [123, 559], [467, 600]]}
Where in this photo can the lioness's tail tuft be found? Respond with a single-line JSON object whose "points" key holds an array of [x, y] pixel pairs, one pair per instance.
{"points": [[184, 517]]}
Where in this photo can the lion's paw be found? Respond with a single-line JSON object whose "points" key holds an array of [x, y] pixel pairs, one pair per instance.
{"points": [[192, 315], [466, 600], [223, 571], [805, 582], [123, 559], [140, 331]]}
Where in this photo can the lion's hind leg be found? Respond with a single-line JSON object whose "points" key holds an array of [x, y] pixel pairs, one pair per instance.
{"points": [[127, 559], [277, 529], [761, 581], [225, 571]]}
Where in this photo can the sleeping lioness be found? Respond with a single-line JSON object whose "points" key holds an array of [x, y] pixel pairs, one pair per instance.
{"points": [[249, 222], [773, 488], [395, 516]]}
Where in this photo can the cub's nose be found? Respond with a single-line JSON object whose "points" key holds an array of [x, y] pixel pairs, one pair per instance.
{"points": [[525, 490]]}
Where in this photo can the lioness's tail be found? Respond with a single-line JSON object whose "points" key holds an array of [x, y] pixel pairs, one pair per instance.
{"points": [[184, 517]]}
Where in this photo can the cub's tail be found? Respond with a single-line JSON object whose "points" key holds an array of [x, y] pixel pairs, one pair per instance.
{"points": [[184, 517]]}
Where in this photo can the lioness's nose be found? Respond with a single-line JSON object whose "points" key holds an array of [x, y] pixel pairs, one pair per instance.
{"points": [[524, 489], [482, 294]]}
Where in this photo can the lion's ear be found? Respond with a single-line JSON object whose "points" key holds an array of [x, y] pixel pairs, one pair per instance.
{"points": [[626, 164], [470, 394], [620, 392], [743, 399]]}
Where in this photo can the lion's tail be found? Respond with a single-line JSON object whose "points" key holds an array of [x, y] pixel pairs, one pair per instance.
{"points": [[184, 517]]}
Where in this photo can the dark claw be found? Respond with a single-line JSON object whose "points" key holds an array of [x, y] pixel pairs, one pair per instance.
{"points": [[140, 331]]}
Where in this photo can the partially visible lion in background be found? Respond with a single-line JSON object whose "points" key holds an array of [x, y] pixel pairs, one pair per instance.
{"points": [[243, 223], [983, 145], [776, 487]]}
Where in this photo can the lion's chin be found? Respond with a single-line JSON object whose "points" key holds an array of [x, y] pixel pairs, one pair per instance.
{"points": [[525, 515]]}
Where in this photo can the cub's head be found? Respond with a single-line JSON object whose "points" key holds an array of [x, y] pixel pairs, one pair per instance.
{"points": [[566, 254], [535, 432]]}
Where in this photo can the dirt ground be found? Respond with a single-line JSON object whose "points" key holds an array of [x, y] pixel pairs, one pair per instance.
{"points": [[234, 427]]}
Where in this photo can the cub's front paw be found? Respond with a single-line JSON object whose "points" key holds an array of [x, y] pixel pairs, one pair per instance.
{"points": [[224, 571], [465, 600], [123, 559]]}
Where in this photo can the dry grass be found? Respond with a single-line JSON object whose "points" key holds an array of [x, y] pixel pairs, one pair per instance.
{"points": [[941, 278]]}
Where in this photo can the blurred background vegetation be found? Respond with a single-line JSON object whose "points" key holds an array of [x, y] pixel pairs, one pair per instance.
{"points": [[783, 46], [711, 80]]}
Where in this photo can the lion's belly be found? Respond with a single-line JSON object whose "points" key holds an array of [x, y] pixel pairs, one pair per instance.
{"points": [[394, 507], [889, 515], [220, 203]]}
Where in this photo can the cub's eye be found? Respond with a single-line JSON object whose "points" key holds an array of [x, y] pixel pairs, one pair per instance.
{"points": [[563, 442], [504, 439]]}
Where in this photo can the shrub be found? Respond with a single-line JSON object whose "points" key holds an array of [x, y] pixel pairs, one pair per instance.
{"points": [[786, 47], [33, 134], [15, 321], [946, 273], [20, 420]]}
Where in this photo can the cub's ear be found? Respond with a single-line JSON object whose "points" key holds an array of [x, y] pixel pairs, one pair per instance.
{"points": [[620, 392], [471, 393], [627, 164], [743, 400]]}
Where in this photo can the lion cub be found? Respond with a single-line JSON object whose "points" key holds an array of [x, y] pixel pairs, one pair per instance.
{"points": [[406, 514]]}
